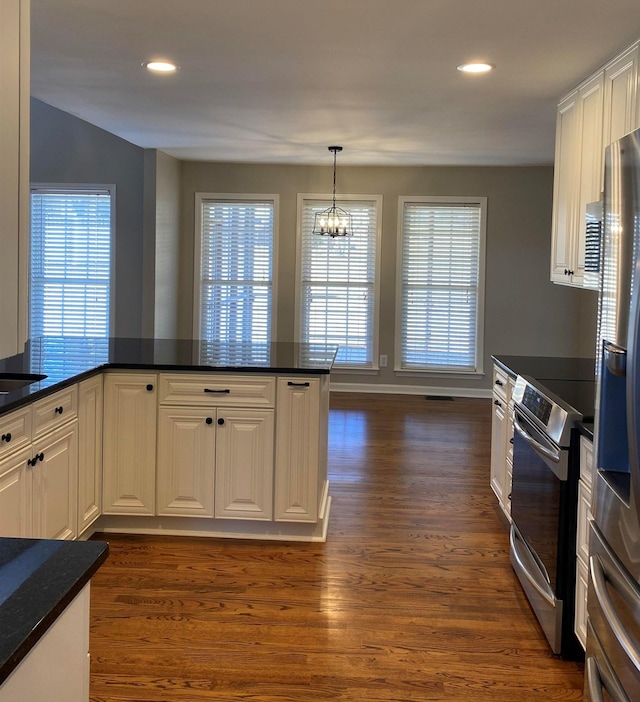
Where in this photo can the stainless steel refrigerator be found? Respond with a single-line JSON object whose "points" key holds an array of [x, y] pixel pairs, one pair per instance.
{"points": [[612, 665]]}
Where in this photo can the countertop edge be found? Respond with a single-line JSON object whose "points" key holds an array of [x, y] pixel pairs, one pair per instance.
{"points": [[31, 638], [11, 404]]}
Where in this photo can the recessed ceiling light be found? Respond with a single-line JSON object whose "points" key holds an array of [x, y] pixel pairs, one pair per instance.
{"points": [[160, 66], [476, 67]]}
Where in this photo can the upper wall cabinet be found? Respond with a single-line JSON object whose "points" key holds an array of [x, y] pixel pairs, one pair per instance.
{"points": [[602, 109], [14, 172], [578, 177]]}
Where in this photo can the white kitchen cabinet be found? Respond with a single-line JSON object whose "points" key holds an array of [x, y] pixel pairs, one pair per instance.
{"points": [[603, 108], [302, 412], [621, 95], [90, 401], [39, 469], [186, 461], [244, 463], [54, 470], [14, 172], [585, 490], [15, 495], [577, 177], [216, 445], [129, 452], [501, 435]]}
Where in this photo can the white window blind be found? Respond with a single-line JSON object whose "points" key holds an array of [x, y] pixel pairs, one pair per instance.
{"points": [[70, 263], [235, 273], [70, 285], [338, 283], [440, 294]]}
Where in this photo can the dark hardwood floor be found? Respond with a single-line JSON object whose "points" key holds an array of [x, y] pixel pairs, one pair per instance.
{"points": [[411, 598]]}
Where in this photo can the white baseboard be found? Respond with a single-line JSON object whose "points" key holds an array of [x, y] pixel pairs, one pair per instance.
{"points": [[388, 389]]}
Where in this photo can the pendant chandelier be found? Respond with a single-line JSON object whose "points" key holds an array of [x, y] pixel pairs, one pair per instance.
{"points": [[333, 221]]}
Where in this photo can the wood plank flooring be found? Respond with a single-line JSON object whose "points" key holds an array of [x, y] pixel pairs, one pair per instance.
{"points": [[411, 598]]}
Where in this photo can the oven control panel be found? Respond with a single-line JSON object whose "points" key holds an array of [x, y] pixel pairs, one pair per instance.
{"points": [[550, 414], [539, 406]]}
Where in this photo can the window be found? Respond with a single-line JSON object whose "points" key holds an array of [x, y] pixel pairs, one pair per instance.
{"points": [[338, 281], [70, 282], [440, 284], [71, 235], [234, 270]]}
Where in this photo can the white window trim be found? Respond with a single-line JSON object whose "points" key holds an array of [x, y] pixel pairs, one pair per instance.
{"points": [[197, 252], [376, 288], [85, 187], [479, 363]]}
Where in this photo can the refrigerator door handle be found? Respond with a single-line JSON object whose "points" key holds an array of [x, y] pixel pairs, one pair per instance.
{"points": [[599, 579], [597, 680]]}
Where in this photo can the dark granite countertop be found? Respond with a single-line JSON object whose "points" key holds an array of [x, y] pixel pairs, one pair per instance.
{"points": [[571, 379], [38, 579], [66, 360]]}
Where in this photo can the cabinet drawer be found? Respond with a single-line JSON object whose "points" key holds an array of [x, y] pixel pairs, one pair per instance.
{"points": [[15, 431], [500, 383], [584, 514], [54, 411], [217, 389]]}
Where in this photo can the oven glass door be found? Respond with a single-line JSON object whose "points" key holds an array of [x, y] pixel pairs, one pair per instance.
{"points": [[536, 493]]}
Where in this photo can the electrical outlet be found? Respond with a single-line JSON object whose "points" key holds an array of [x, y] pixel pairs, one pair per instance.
{"points": [[383, 360]]}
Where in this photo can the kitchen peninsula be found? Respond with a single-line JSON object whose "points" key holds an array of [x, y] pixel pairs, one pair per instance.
{"points": [[178, 436]]}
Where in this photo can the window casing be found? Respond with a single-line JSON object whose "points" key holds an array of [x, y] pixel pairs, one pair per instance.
{"points": [[234, 272], [338, 281], [440, 296], [72, 234]]}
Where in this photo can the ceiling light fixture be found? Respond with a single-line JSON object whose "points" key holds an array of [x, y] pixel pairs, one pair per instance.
{"points": [[476, 67], [160, 66], [333, 221]]}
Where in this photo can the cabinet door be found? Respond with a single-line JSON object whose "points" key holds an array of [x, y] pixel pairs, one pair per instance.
{"points": [[498, 448], [14, 169], [244, 464], [54, 473], [15, 495], [564, 190], [186, 461], [90, 399], [620, 94], [591, 169], [297, 450], [129, 453]]}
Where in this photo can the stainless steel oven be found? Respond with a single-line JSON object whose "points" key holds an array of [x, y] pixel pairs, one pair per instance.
{"points": [[544, 509]]}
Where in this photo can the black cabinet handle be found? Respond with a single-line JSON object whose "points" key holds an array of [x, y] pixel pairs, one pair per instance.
{"points": [[511, 440], [208, 420], [226, 391], [298, 385], [498, 403], [149, 387], [7, 437], [35, 459], [59, 410], [499, 382], [221, 421]]}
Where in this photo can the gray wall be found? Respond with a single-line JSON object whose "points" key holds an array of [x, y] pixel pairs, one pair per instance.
{"points": [[524, 312], [65, 149], [155, 198]]}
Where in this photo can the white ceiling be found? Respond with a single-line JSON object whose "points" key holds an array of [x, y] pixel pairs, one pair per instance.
{"points": [[278, 81]]}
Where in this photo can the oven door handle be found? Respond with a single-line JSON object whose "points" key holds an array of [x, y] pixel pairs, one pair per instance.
{"points": [[548, 453], [515, 550], [599, 577]]}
